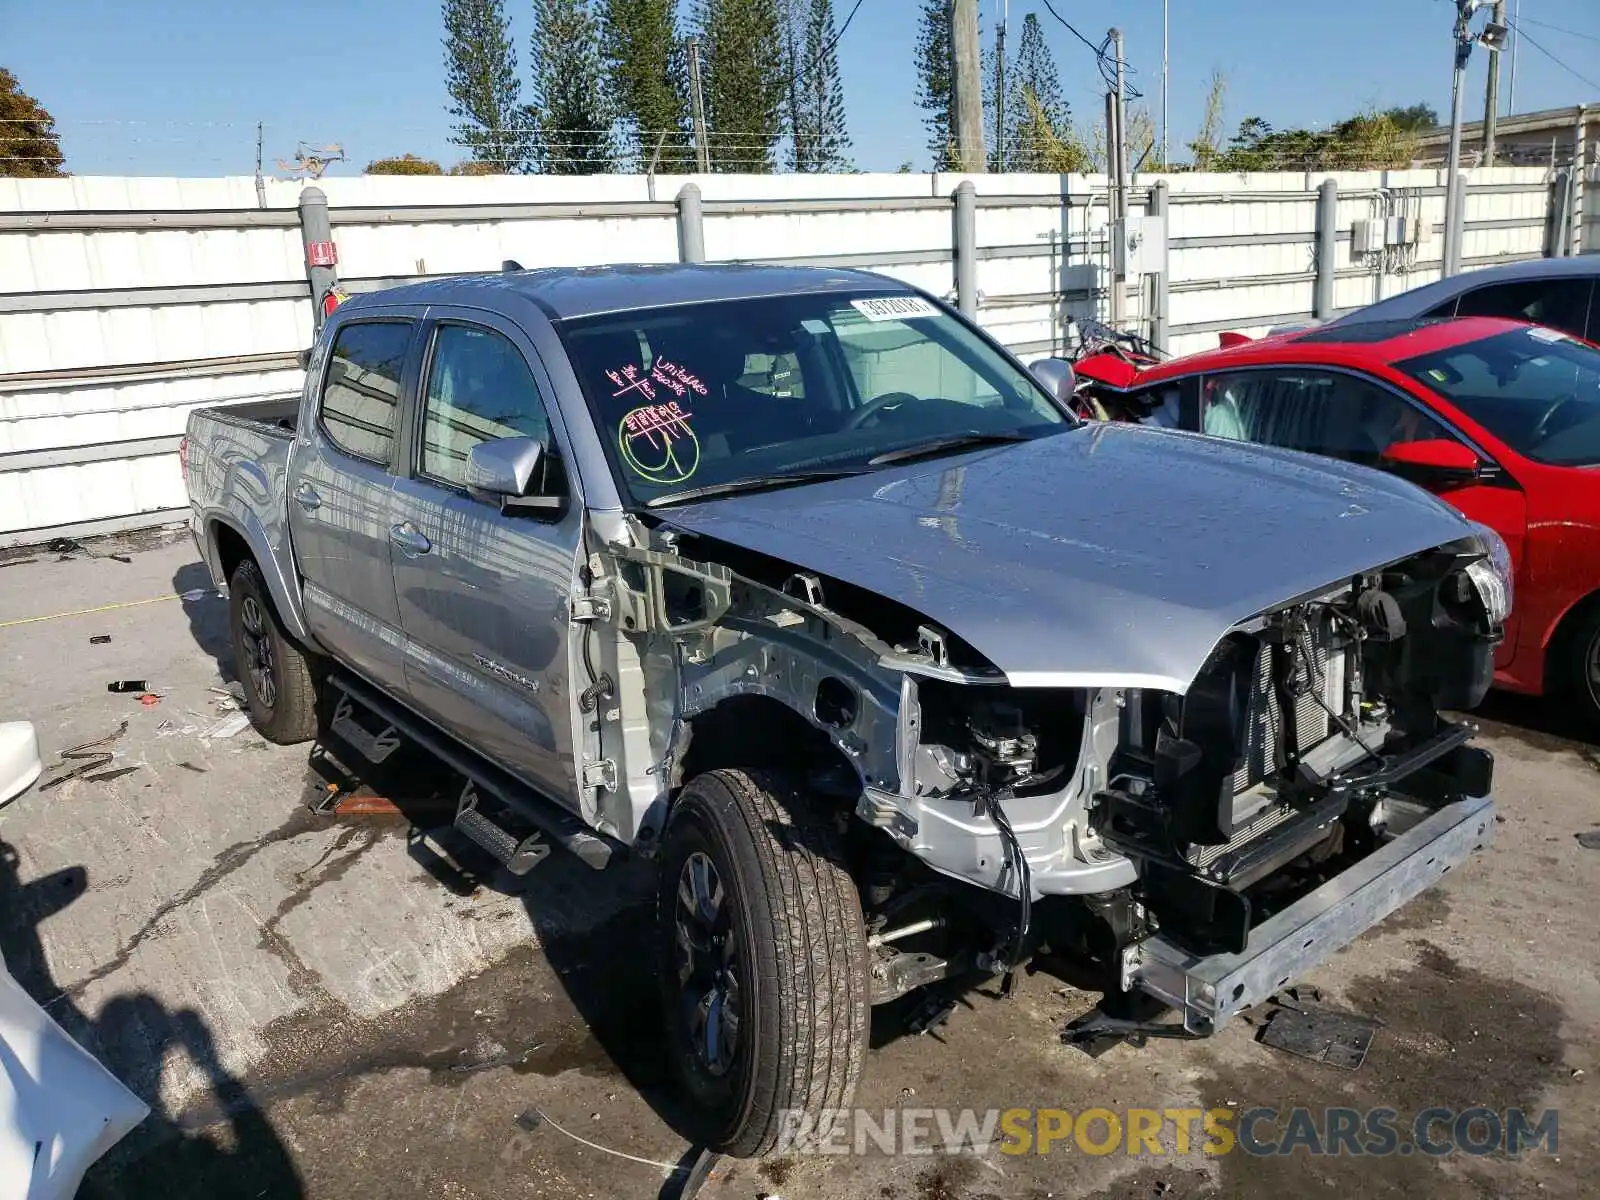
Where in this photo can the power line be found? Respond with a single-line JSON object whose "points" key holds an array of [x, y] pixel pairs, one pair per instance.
{"points": [[1588, 37], [1105, 62], [1523, 34]]}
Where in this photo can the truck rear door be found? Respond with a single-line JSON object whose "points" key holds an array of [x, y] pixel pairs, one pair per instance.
{"points": [[484, 596], [341, 495]]}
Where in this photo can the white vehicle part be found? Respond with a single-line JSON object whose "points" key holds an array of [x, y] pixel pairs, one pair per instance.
{"points": [[60, 1109], [19, 758]]}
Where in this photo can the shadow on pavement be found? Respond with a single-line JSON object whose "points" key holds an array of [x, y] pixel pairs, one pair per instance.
{"points": [[208, 615], [238, 1156]]}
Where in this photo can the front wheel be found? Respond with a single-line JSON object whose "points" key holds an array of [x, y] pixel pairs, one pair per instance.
{"points": [[280, 689], [764, 959]]}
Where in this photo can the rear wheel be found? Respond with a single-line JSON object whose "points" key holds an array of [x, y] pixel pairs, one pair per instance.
{"points": [[764, 959], [1581, 649], [279, 685]]}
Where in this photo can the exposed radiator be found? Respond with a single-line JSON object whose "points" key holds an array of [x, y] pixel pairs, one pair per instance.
{"points": [[1264, 723]]}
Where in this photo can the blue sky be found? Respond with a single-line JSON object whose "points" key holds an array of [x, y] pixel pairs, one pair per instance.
{"points": [[177, 88]]}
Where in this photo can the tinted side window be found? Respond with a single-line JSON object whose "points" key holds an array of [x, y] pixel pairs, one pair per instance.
{"points": [[1318, 412], [361, 393], [479, 388], [1559, 303]]}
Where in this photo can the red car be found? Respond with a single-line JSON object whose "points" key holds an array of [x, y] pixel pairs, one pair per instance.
{"points": [[1500, 418]]}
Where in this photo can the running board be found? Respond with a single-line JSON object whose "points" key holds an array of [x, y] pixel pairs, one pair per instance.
{"points": [[374, 747], [560, 826], [517, 855]]}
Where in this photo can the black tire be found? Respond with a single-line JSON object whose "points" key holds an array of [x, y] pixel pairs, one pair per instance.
{"points": [[1580, 655], [791, 910], [279, 682]]}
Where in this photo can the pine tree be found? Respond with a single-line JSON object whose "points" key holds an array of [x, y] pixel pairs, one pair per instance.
{"points": [[644, 56], [1034, 72], [744, 84], [934, 82], [574, 113], [481, 75], [30, 148], [821, 142]]}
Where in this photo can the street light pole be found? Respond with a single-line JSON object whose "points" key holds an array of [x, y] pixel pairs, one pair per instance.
{"points": [[1452, 194]]}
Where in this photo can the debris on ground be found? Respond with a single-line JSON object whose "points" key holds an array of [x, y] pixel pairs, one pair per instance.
{"points": [[90, 757], [127, 685], [66, 547], [230, 725], [194, 594], [99, 639], [150, 699], [1323, 1035], [1590, 840], [17, 562], [228, 699]]}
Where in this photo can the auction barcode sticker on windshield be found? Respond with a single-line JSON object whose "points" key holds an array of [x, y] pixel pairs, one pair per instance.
{"points": [[894, 308]]}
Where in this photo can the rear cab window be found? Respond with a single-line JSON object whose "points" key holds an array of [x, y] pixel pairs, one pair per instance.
{"points": [[359, 409]]}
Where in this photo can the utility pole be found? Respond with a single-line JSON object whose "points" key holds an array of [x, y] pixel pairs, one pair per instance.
{"points": [[261, 183], [966, 76], [1516, 35], [1452, 193], [1165, 149], [1491, 96], [1000, 93], [697, 103], [1122, 127]]}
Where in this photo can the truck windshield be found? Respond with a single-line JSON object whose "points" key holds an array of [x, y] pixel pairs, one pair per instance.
{"points": [[1536, 390], [701, 397]]}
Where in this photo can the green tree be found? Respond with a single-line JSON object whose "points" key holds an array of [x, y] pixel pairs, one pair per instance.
{"points": [[573, 109], [934, 82], [404, 164], [1207, 145], [30, 148], [485, 93], [1414, 118], [1366, 141], [744, 86], [643, 55], [1044, 146], [1037, 114], [821, 141]]}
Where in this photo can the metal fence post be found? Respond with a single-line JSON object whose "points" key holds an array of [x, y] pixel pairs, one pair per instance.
{"points": [[691, 225], [1160, 205], [1327, 249], [966, 248], [1455, 236], [322, 258]]}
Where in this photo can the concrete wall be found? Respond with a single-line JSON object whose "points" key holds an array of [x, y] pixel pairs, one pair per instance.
{"points": [[126, 303]]}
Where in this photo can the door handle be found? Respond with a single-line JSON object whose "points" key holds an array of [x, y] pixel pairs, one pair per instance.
{"points": [[411, 540], [306, 496]]}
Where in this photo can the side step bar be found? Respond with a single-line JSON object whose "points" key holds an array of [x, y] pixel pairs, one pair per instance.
{"points": [[560, 826], [517, 856]]}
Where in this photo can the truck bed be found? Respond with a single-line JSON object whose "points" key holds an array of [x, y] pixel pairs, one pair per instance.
{"points": [[279, 413]]}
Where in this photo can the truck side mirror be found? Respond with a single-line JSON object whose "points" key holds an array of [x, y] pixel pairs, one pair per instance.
{"points": [[504, 469], [1056, 376]]}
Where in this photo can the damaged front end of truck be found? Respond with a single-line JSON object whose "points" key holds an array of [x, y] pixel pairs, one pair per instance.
{"points": [[1197, 840]]}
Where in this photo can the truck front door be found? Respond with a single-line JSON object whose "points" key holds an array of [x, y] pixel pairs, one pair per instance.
{"points": [[484, 596], [341, 497]]}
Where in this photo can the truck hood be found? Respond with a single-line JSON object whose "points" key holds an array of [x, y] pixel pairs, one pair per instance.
{"points": [[1108, 555]]}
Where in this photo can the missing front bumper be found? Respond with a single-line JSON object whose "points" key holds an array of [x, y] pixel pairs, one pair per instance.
{"points": [[1210, 990]]}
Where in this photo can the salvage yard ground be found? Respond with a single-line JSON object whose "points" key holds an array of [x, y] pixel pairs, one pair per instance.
{"points": [[323, 1007]]}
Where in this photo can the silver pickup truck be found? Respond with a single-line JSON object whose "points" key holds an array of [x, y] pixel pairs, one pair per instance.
{"points": [[796, 582]]}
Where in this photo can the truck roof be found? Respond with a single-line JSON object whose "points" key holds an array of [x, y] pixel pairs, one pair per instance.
{"points": [[568, 292]]}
